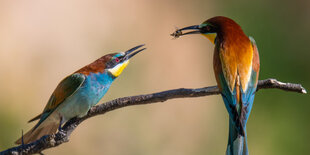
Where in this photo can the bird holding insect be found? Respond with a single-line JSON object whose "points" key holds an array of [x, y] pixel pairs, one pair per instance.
{"points": [[236, 67], [78, 92]]}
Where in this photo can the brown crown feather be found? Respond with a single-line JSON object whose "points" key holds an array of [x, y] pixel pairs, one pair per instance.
{"points": [[97, 66]]}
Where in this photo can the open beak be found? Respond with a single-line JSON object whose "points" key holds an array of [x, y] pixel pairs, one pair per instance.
{"points": [[180, 32], [133, 51]]}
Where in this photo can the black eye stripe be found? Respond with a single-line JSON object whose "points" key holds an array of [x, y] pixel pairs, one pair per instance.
{"points": [[207, 28], [204, 29], [120, 57], [114, 61]]}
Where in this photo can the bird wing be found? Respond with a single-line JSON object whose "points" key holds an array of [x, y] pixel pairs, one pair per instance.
{"points": [[226, 74], [66, 88], [247, 96], [237, 80]]}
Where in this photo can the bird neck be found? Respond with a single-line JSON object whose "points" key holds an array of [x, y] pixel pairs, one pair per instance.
{"points": [[104, 78], [233, 36]]}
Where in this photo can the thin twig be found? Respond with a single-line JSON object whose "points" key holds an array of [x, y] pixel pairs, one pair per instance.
{"points": [[63, 135]]}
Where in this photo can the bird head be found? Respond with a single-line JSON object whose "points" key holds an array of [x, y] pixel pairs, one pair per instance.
{"points": [[214, 28], [117, 62], [113, 63]]}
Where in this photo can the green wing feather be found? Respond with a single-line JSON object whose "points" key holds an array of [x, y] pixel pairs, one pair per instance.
{"points": [[65, 88]]}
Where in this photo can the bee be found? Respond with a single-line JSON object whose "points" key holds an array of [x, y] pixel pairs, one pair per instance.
{"points": [[177, 33]]}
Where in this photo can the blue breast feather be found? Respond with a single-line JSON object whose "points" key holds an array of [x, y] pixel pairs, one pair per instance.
{"points": [[89, 94], [96, 85]]}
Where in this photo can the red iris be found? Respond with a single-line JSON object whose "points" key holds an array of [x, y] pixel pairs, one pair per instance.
{"points": [[117, 59]]}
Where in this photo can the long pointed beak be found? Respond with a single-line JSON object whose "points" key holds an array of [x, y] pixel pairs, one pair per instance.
{"points": [[133, 51], [179, 32]]}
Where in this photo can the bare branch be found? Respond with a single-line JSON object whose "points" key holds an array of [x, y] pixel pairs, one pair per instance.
{"points": [[273, 83], [63, 135]]}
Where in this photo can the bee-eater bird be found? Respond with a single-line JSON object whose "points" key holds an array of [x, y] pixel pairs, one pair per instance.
{"points": [[236, 68], [78, 92]]}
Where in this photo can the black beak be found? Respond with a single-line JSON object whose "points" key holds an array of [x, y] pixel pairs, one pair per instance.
{"points": [[179, 32], [132, 52]]}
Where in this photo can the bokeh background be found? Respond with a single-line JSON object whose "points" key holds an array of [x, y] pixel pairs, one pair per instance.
{"points": [[43, 41]]}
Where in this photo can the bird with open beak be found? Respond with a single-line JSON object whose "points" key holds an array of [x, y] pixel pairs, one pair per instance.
{"points": [[78, 92]]}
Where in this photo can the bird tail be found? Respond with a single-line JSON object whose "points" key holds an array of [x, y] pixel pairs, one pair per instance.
{"points": [[46, 127], [237, 143]]}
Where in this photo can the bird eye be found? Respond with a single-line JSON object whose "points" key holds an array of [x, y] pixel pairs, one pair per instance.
{"points": [[204, 29], [208, 28], [116, 59]]}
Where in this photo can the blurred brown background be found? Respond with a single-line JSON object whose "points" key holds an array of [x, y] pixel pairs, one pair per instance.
{"points": [[43, 41]]}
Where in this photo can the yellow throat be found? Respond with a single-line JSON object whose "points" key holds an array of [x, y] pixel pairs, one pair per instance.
{"points": [[210, 36], [118, 69]]}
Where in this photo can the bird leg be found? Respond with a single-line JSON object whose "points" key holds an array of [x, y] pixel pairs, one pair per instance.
{"points": [[23, 138], [60, 123]]}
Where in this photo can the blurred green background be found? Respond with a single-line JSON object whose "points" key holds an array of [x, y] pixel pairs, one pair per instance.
{"points": [[41, 42]]}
